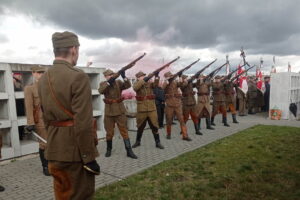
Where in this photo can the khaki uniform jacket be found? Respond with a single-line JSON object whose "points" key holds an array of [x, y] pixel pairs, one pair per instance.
{"points": [[172, 95], [252, 90], [143, 89], [229, 92], [203, 96], [34, 113], [218, 92], [114, 92], [72, 88], [188, 94]]}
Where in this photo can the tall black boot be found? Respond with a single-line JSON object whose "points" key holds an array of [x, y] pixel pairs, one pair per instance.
{"points": [[157, 141], [196, 125], [234, 119], [212, 121], [208, 125], [128, 149], [44, 162], [138, 139], [225, 121], [108, 148]]}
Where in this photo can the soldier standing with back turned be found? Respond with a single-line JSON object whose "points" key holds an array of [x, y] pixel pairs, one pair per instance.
{"points": [[114, 112], [66, 101], [146, 108], [34, 114]]}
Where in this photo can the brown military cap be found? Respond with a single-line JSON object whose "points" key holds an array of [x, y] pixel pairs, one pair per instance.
{"points": [[108, 72], [37, 69], [139, 74], [168, 75], [64, 39], [217, 77]]}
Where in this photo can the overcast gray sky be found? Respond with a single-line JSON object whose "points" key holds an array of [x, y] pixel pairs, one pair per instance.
{"points": [[166, 27]]}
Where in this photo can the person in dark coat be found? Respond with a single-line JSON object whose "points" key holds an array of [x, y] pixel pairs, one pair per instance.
{"points": [[267, 94], [160, 104]]}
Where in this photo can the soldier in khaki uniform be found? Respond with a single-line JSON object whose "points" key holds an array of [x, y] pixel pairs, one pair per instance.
{"points": [[252, 95], [242, 97], [230, 102], [115, 110], [66, 101], [219, 103], [189, 103], [203, 107], [34, 113], [146, 108], [174, 105]]}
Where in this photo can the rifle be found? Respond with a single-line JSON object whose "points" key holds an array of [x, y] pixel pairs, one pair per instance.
{"points": [[161, 68], [237, 76], [200, 71], [214, 72], [131, 64], [230, 74], [184, 69]]}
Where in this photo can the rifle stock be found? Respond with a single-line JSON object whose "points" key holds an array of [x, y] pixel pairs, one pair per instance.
{"points": [[184, 69], [128, 66], [214, 72], [161, 68]]}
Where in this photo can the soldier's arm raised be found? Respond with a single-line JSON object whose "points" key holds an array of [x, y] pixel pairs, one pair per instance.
{"points": [[83, 113], [126, 84], [138, 84], [164, 85], [28, 97], [102, 87]]}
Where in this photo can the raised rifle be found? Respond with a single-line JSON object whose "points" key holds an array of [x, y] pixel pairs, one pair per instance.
{"points": [[214, 72], [131, 64], [200, 71], [161, 68], [237, 76], [179, 73], [229, 75], [244, 57]]}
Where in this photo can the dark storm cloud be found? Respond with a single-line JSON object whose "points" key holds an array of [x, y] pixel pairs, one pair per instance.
{"points": [[262, 27]]}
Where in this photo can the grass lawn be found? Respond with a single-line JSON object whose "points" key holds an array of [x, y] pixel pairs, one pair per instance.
{"points": [[262, 162]]}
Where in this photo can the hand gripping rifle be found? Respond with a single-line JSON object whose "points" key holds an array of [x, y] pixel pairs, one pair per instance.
{"points": [[230, 74], [179, 73], [200, 71], [161, 68], [213, 73], [116, 75], [237, 76]]}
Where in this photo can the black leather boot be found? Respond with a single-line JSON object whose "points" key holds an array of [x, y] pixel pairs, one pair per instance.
{"points": [[234, 119], [138, 139], [157, 141], [225, 121], [108, 148], [212, 121], [44, 162], [197, 129], [208, 125], [130, 153]]}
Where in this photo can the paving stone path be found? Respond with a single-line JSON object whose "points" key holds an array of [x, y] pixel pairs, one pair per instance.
{"points": [[23, 178]]}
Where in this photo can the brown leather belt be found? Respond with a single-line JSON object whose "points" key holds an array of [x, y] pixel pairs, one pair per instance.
{"points": [[142, 98], [202, 94], [66, 123], [218, 93], [188, 94], [111, 101], [173, 95]]}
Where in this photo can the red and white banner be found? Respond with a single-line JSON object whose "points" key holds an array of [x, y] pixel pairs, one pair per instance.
{"points": [[243, 85], [260, 84]]}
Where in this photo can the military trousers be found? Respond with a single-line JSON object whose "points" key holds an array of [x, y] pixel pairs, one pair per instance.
{"points": [[160, 114], [172, 111], [242, 106], [109, 125], [71, 181], [219, 107], [190, 111], [231, 107]]}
